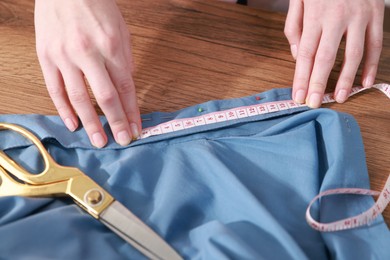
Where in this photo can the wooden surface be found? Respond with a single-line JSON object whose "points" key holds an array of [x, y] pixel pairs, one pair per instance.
{"points": [[188, 52]]}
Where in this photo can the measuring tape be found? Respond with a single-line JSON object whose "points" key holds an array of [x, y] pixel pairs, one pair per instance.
{"points": [[241, 112], [276, 106], [362, 219]]}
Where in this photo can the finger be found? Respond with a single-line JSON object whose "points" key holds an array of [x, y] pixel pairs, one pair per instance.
{"points": [[56, 89], [293, 25], [81, 102], [120, 72], [126, 90], [324, 61], [108, 99], [353, 55], [374, 40], [305, 59]]}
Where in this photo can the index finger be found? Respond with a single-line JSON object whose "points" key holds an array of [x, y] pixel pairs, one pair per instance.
{"points": [[305, 59], [109, 101], [323, 64]]}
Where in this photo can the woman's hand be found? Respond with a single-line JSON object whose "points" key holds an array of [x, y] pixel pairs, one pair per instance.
{"points": [[314, 29], [79, 41]]}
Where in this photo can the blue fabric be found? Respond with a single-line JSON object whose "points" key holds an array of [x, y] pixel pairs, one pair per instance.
{"points": [[231, 190]]}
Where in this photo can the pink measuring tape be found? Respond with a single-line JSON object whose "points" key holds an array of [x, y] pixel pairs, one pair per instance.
{"points": [[266, 108], [241, 112]]}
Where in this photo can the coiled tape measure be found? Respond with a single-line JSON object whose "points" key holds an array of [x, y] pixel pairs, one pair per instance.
{"points": [[266, 108]]}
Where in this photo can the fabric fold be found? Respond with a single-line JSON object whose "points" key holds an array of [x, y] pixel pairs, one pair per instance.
{"points": [[231, 190]]}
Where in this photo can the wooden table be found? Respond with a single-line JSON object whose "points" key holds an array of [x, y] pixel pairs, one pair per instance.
{"points": [[189, 52]]}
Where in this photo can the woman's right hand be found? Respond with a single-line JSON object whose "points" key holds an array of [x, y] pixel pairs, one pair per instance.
{"points": [[79, 41]]}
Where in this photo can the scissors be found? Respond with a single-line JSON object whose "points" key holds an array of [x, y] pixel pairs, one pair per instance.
{"points": [[57, 180]]}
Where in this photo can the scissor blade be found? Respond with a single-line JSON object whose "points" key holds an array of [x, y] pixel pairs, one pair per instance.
{"points": [[126, 225]]}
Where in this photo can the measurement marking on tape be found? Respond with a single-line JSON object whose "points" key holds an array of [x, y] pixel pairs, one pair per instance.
{"points": [[241, 112], [364, 218]]}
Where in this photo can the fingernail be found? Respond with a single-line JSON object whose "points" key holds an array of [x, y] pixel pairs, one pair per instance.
{"points": [[123, 138], [300, 96], [294, 51], [368, 82], [341, 96], [98, 140], [134, 130], [315, 100], [70, 124]]}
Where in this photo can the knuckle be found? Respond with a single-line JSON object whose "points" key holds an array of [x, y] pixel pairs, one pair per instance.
{"points": [[110, 42], [378, 5], [124, 87], [376, 44], [289, 31], [105, 98], [77, 96], [340, 10], [58, 96], [306, 53], [52, 52], [55, 92], [355, 52], [326, 57], [82, 44], [58, 52], [363, 10]]}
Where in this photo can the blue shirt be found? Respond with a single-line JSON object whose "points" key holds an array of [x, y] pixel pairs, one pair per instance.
{"points": [[231, 190]]}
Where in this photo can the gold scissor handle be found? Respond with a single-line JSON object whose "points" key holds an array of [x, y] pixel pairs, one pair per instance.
{"points": [[46, 175], [53, 180]]}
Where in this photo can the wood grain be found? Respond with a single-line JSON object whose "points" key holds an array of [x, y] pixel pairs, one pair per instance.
{"points": [[188, 52]]}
